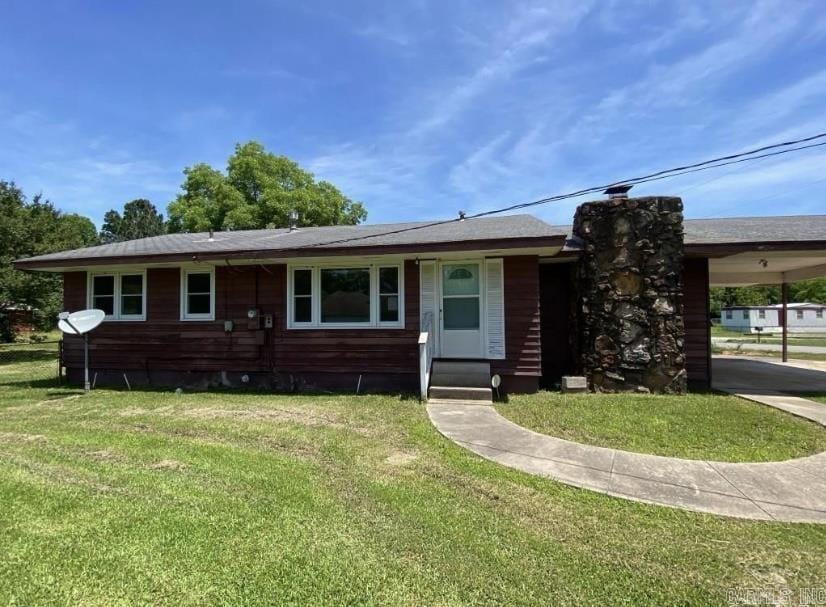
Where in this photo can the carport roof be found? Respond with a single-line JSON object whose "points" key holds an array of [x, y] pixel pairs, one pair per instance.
{"points": [[760, 230]]}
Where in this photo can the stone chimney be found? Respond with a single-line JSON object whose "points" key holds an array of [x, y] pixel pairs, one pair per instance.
{"points": [[630, 294]]}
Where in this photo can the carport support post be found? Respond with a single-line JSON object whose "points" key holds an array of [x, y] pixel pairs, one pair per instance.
{"points": [[784, 297]]}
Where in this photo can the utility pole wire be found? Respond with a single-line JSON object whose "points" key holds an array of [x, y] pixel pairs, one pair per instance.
{"points": [[696, 167]]}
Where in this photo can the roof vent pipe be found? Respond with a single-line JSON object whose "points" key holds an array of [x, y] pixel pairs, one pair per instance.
{"points": [[211, 235], [293, 220], [618, 192]]}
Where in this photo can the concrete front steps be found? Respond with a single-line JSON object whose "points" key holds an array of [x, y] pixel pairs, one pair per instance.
{"points": [[459, 380]]}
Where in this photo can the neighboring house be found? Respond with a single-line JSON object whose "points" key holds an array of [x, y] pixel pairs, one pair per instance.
{"points": [[802, 318], [344, 307], [21, 318]]}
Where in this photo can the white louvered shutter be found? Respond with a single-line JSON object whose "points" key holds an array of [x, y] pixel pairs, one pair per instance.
{"points": [[427, 292], [494, 309]]}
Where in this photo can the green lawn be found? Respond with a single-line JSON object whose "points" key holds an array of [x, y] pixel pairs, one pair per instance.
{"points": [[720, 349], [696, 426], [818, 341], [154, 498], [774, 338], [718, 331]]}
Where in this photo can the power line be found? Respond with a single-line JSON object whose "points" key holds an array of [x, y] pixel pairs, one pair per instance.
{"points": [[696, 167], [652, 177]]}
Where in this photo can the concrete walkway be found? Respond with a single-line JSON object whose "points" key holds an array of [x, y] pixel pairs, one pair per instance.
{"points": [[792, 491]]}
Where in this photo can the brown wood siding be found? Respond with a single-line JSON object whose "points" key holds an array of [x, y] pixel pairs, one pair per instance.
{"points": [[165, 343], [522, 326], [558, 304], [74, 291], [353, 350], [696, 316]]}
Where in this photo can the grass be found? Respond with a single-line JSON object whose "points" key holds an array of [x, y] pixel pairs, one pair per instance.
{"points": [[818, 341], [718, 349], [718, 331], [773, 338], [696, 426], [121, 498]]}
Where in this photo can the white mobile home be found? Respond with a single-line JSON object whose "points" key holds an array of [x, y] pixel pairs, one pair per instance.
{"points": [[803, 318]]}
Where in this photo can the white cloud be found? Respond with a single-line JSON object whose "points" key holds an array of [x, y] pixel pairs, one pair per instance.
{"points": [[528, 33], [390, 179], [86, 174]]}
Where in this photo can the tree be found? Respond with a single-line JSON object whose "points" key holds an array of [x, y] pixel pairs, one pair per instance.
{"points": [[258, 190], [140, 219], [811, 291], [35, 228]]}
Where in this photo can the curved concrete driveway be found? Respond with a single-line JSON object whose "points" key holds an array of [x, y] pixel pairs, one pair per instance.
{"points": [[792, 491]]}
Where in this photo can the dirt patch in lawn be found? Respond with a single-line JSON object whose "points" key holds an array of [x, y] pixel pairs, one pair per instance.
{"points": [[303, 416], [22, 437], [400, 458], [168, 464], [297, 416], [103, 455]]}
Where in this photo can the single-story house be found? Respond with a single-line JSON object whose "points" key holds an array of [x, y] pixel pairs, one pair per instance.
{"points": [[621, 297], [800, 318]]}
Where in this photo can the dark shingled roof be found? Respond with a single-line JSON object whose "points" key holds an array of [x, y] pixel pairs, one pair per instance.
{"points": [[789, 228], [486, 232], [322, 240], [779, 230]]}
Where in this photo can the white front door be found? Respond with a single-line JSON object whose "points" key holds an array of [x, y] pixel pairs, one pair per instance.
{"points": [[461, 310]]}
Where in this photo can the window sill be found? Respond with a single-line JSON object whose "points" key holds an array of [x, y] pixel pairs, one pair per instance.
{"points": [[356, 327], [108, 319]]}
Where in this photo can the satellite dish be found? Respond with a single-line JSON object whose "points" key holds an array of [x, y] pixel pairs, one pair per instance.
{"points": [[78, 323]]}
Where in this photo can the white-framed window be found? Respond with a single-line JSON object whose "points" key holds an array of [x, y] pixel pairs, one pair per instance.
{"points": [[347, 295], [745, 314], [729, 314], [198, 293], [819, 313], [761, 314], [799, 314], [121, 295]]}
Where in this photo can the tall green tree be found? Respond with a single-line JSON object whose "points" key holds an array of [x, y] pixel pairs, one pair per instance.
{"points": [[258, 190], [34, 228], [812, 291], [140, 219]]}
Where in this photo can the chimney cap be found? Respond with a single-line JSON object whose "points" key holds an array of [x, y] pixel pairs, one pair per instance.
{"points": [[618, 191]]}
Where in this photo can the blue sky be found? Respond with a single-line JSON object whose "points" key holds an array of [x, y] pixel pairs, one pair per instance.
{"points": [[419, 108]]}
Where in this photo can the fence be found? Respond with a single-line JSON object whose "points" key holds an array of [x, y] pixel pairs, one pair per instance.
{"points": [[29, 362]]}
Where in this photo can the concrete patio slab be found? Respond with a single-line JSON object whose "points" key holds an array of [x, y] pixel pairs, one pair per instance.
{"points": [[760, 376]]}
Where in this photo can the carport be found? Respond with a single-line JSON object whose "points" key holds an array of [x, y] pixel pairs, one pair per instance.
{"points": [[741, 252]]}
